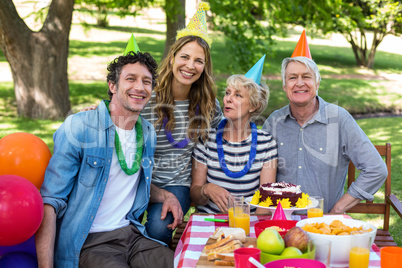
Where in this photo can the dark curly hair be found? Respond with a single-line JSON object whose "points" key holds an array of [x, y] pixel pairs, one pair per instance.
{"points": [[118, 63]]}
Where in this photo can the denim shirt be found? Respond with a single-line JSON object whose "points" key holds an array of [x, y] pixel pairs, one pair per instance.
{"points": [[76, 178]]}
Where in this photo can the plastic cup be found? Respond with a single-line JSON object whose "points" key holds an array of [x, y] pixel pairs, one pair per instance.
{"points": [[391, 257], [232, 199], [242, 216], [359, 254], [241, 256], [318, 210], [322, 251]]}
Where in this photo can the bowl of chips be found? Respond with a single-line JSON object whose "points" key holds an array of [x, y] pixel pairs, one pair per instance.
{"points": [[282, 226], [340, 231]]}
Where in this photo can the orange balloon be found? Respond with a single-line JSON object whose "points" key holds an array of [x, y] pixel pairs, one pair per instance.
{"points": [[25, 155]]}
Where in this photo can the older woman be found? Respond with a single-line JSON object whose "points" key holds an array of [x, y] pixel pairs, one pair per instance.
{"points": [[236, 158]]}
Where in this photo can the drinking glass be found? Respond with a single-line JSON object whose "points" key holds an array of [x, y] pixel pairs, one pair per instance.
{"points": [[318, 210], [322, 251], [231, 201], [359, 253], [242, 216]]}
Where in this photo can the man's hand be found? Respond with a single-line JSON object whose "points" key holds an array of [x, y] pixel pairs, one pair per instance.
{"points": [[344, 203], [171, 204]]}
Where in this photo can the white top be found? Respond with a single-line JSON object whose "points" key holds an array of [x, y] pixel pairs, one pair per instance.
{"points": [[121, 188]]}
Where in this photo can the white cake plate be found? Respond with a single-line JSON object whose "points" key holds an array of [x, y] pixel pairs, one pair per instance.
{"points": [[288, 211]]}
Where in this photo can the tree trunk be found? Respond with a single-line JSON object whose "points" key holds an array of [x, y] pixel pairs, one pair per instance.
{"points": [[377, 39], [355, 48], [38, 60], [175, 20]]}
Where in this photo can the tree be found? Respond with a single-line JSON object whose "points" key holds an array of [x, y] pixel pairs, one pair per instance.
{"points": [[248, 27], [354, 19], [38, 60], [175, 19]]}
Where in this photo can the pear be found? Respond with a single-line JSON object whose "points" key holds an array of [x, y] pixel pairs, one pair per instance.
{"points": [[296, 237]]}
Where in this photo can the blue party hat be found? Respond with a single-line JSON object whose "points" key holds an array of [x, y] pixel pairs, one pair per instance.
{"points": [[131, 46], [256, 71]]}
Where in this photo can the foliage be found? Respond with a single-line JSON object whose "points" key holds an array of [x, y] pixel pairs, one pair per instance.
{"points": [[243, 23], [100, 9], [354, 19]]}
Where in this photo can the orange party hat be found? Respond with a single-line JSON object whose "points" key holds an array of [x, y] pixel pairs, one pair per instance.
{"points": [[302, 49], [279, 214]]}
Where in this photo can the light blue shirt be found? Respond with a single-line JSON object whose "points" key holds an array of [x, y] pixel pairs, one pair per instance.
{"points": [[77, 174], [317, 154]]}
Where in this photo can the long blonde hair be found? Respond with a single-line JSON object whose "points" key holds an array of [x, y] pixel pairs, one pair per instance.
{"points": [[202, 93]]}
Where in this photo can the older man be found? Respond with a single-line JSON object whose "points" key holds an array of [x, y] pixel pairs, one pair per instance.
{"points": [[316, 140]]}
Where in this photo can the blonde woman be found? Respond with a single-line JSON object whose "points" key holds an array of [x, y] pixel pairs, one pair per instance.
{"points": [[180, 109], [236, 158]]}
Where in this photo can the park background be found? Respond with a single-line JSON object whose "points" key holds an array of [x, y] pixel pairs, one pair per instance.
{"points": [[371, 95]]}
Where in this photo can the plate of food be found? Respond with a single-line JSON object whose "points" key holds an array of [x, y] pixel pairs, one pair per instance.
{"points": [[290, 196]]}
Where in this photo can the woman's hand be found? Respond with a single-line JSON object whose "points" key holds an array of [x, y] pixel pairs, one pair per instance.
{"points": [[218, 195], [88, 108]]}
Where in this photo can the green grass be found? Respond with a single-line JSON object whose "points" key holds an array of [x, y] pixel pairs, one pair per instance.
{"points": [[381, 131]]}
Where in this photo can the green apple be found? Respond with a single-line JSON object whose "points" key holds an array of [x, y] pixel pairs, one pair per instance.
{"points": [[291, 252], [270, 241]]}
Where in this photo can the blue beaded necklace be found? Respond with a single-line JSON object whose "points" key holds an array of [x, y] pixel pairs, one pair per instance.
{"points": [[221, 153]]}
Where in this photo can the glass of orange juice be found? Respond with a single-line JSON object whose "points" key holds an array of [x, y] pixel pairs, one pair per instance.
{"points": [[242, 216], [232, 199], [318, 207], [359, 253]]}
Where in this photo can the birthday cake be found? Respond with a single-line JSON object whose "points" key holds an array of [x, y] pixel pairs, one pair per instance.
{"points": [[288, 194], [280, 190]]}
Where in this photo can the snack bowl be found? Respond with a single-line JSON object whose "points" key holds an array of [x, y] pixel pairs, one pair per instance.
{"points": [[299, 263], [266, 257], [283, 224], [340, 244]]}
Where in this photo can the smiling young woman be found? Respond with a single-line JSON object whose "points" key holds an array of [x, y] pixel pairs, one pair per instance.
{"points": [[183, 107]]}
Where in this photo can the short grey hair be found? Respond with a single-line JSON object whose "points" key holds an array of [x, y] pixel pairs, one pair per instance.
{"points": [[259, 93], [310, 64]]}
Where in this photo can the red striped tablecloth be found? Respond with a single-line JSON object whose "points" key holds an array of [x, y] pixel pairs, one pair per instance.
{"points": [[197, 232]]}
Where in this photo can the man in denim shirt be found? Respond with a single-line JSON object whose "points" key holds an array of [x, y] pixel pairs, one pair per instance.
{"points": [[317, 140], [97, 184]]}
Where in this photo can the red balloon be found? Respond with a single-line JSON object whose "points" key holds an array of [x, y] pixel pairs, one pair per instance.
{"points": [[21, 210], [25, 155]]}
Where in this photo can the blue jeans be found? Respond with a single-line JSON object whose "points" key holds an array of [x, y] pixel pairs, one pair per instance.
{"points": [[156, 228]]}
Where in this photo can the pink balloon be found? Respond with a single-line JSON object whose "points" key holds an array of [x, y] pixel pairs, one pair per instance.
{"points": [[21, 210]]}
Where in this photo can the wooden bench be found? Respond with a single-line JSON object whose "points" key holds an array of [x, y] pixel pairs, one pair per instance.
{"points": [[383, 237]]}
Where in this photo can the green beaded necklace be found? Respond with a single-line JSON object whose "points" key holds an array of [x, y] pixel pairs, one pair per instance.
{"points": [[119, 151]]}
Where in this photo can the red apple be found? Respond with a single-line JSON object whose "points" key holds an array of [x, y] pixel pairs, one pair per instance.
{"points": [[296, 237]]}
